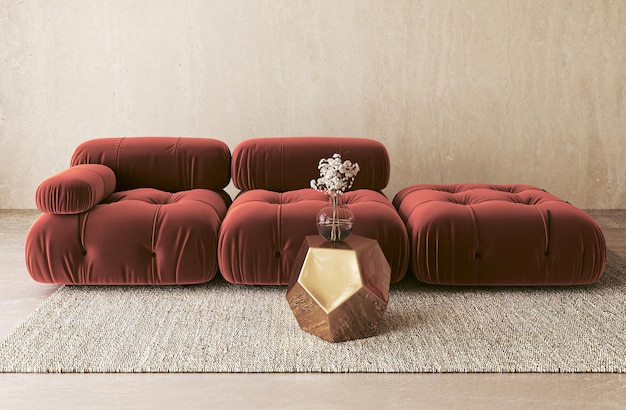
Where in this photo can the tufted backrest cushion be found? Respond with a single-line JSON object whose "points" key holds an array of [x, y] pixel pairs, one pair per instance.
{"points": [[287, 163], [168, 163]]}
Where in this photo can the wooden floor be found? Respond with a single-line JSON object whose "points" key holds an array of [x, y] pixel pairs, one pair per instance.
{"points": [[613, 224], [19, 297]]}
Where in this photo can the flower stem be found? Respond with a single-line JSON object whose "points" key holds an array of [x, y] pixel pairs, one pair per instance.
{"points": [[335, 234]]}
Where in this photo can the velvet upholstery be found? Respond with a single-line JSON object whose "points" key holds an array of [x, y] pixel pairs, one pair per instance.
{"points": [[480, 234], [160, 228], [167, 163], [75, 190], [285, 164], [268, 221]]}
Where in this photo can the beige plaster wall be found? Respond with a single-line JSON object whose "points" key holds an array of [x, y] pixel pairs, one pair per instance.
{"points": [[527, 91]]}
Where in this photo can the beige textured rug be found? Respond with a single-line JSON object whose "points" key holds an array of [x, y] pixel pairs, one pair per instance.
{"points": [[219, 327]]}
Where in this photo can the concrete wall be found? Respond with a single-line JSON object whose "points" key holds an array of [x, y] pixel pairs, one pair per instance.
{"points": [[526, 91]]}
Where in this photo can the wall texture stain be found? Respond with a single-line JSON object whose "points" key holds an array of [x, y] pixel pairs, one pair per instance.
{"points": [[459, 91]]}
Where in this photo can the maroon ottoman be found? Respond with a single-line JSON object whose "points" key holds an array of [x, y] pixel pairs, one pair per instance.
{"points": [[479, 234], [276, 208], [143, 210]]}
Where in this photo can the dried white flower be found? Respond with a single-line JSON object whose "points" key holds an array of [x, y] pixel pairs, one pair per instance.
{"points": [[335, 176]]}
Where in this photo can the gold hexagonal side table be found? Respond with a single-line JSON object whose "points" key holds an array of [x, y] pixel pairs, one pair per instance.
{"points": [[339, 291]]}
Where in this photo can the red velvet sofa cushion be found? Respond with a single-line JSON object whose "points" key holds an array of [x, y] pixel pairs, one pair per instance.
{"points": [[141, 236], [170, 164], [480, 234], [75, 190], [288, 163], [264, 230]]}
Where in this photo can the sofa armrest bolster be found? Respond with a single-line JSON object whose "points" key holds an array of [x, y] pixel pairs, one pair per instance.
{"points": [[76, 189]]}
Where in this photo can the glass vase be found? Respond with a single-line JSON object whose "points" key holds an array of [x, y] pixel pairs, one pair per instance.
{"points": [[335, 220]]}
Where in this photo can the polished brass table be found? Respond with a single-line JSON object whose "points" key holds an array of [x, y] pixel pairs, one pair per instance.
{"points": [[339, 291]]}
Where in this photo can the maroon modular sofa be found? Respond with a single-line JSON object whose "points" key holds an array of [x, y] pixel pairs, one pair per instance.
{"points": [[153, 210]]}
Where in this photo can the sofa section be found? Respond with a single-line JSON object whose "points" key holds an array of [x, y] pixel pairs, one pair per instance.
{"points": [[507, 234], [276, 208], [159, 226]]}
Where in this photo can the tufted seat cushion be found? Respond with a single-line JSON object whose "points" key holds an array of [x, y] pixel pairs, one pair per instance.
{"points": [[480, 234], [264, 231], [268, 221], [142, 236], [159, 226]]}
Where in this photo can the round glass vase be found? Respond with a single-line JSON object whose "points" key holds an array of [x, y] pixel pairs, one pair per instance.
{"points": [[335, 220]]}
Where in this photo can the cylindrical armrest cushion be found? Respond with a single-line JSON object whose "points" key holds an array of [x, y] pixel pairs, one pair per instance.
{"points": [[76, 189]]}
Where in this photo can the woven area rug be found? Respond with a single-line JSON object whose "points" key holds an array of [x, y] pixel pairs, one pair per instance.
{"points": [[219, 327]]}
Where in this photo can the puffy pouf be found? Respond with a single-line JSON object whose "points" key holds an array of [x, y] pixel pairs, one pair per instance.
{"points": [[144, 210], [269, 219], [480, 234]]}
